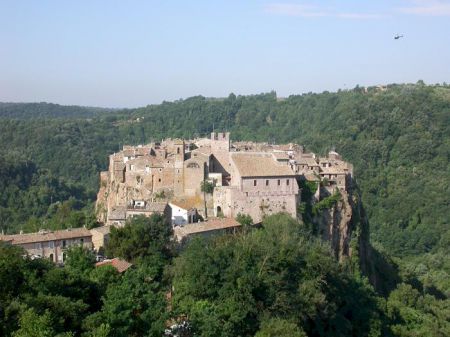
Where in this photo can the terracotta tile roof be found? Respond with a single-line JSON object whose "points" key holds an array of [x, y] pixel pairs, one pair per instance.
{"points": [[186, 205], [119, 264], [128, 152], [259, 165], [311, 162], [280, 155], [188, 202], [206, 226], [156, 207], [43, 236], [333, 170]]}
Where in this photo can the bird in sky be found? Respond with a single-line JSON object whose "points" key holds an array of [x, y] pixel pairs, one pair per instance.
{"points": [[396, 37]]}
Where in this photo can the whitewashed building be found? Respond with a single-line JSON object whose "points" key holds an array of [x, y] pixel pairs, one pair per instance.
{"points": [[182, 214]]}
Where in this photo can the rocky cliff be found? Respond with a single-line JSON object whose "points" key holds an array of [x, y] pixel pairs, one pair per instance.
{"points": [[344, 224]]}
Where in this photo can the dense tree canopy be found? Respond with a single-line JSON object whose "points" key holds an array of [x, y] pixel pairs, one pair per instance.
{"points": [[238, 285], [141, 236]]}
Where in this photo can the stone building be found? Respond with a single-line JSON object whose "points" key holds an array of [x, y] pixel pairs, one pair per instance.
{"points": [[142, 179], [208, 228], [51, 244], [259, 186], [100, 237]]}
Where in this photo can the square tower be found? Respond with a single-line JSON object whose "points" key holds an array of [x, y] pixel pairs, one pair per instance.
{"points": [[220, 142]]}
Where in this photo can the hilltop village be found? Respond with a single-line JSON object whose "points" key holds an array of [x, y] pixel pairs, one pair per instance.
{"points": [[200, 186], [193, 180]]}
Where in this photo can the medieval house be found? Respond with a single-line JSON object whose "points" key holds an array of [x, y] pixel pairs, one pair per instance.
{"points": [[51, 244]]}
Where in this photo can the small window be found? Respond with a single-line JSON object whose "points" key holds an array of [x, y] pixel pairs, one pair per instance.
{"points": [[159, 180], [254, 182], [267, 182], [64, 243], [51, 244], [38, 245], [178, 150], [81, 241], [279, 182], [287, 182]]}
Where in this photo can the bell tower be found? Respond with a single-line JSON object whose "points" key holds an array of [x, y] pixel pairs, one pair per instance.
{"points": [[178, 148]]}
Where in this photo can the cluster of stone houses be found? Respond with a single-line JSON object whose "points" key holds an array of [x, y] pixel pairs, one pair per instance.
{"points": [[251, 178], [257, 179]]}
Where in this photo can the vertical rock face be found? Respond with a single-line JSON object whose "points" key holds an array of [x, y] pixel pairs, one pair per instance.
{"points": [[337, 225], [346, 227]]}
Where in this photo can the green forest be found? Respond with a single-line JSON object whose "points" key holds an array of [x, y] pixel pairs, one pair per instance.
{"points": [[260, 283]]}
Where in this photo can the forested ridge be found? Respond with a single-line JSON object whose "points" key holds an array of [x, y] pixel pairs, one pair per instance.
{"points": [[397, 139], [48, 110]]}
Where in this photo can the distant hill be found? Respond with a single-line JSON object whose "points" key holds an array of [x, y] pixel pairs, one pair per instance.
{"points": [[48, 110]]}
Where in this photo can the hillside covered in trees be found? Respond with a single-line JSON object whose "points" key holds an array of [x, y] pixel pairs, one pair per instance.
{"points": [[278, 280], [398, 139]]}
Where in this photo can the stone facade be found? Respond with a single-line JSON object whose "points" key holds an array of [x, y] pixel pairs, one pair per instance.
{"points": [[100, 237], [51, 244], [259, 186]]}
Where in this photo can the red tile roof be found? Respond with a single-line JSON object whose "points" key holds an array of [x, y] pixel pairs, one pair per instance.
{"points": [[119, 264], [213, 224]]}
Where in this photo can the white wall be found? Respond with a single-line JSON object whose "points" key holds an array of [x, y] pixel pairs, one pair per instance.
{"points": [[180, 216]]}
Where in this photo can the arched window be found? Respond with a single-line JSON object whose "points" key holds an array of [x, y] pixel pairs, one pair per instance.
{"points": [[51, 257]]}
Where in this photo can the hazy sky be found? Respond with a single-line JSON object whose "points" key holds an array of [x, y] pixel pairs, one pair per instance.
{"points": [[132, 53]]}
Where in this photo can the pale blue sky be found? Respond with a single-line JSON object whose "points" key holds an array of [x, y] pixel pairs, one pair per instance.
{"points": [[133, 53]]}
